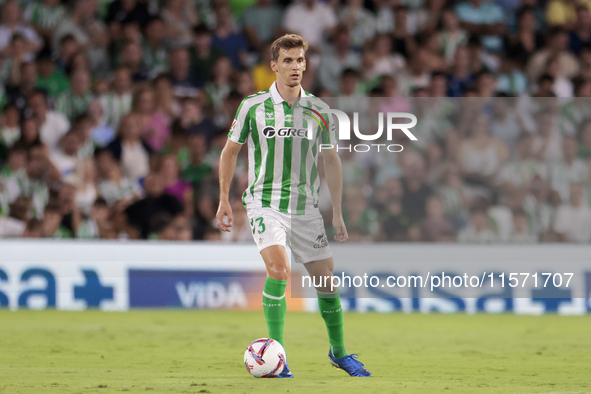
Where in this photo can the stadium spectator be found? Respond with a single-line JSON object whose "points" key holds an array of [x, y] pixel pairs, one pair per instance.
{"points": [[416, 191], [483, 18], [580, 35], [50, 77], [521, 230], [45, 16], [174, 185], [221, 84], [262, 22], [136, 218], [193, 121], [154, 127], [126, 10], [68, 46], [112, 186], [453, 195], [203, 54], [461, 76], [179, 16], [228, 39], [96, 224], [386, 62], [52, 222], [403, 32], [89, 33], [100, 133], [34, 229], [10, 130], [313, 20], [569, 169], [573, 219], [332, 63], [84, 178], [359, 21], [521, 45], [132, 58], [166, 102], [15, 224], [477, 231], [435, 226], [547, 142], [65, 158], [22, 80], [415, 75], [130, 149], [117, 102], [75, 101], [185, 85], [557, 46], [13, 25], [452, 35], [155, 55], [29, 137], [481, 155], [562, 12]]}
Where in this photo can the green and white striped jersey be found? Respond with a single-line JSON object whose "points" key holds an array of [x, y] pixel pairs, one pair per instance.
{"points": [[71, 105], [115, 107], [43, 16], [283, 146]]}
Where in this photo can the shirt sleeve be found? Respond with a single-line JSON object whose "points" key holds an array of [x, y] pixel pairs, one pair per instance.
{"points": [[241, 125]]}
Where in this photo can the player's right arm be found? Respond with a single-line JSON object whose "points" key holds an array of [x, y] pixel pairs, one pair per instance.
{"points": [[236, 138], [227, 168]]}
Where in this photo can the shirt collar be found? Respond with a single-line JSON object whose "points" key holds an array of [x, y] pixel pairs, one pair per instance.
{"points": [[276, 97]]}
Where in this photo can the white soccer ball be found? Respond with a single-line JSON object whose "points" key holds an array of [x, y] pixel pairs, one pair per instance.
{"points": [[264, 358]]}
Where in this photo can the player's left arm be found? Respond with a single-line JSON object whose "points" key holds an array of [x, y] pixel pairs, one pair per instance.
{"points": [[334, 178]]}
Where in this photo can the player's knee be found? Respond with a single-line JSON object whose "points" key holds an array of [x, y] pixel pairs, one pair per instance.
{"points": [[278, 271]]}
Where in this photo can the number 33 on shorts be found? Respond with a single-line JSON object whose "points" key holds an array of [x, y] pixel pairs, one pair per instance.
{"points": [[257, 223]]}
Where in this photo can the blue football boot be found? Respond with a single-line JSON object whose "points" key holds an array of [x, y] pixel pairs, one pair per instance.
{"points": [[286, 373], [349, 364]]}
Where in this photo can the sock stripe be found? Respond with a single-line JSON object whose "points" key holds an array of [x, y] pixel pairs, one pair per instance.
{"points": [[273, 297]]}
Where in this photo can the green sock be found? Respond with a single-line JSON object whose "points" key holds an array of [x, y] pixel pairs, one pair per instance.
{"points": [[332, 313], [274, 307]]}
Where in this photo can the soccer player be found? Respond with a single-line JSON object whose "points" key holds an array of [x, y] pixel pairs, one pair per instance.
{"points": [[282, 198]]}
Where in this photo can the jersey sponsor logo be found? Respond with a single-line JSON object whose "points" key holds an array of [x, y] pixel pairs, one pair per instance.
{"points": [[270, 115], [283, 132], [321, 242]]}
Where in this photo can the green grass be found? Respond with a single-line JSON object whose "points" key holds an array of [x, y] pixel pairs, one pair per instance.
{"points": [[202, 352]]}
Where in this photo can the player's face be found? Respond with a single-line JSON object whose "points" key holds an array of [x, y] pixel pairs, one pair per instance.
{"points": [[290, 66]]}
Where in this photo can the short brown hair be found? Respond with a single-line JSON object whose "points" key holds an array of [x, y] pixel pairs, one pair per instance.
{"points": [[288, 41]]}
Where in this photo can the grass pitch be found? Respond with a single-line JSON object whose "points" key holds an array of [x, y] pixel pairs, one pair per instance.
{"points": [[202, 352]]}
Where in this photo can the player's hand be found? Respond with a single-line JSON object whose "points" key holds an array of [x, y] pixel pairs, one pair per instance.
{"points": [[339, 225], [224, 209]]}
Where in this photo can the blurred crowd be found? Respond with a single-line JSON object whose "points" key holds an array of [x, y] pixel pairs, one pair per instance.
{"points": [[114, 114]]}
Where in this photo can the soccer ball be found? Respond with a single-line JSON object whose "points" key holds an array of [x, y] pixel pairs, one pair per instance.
{"points": [[264, 358]]}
